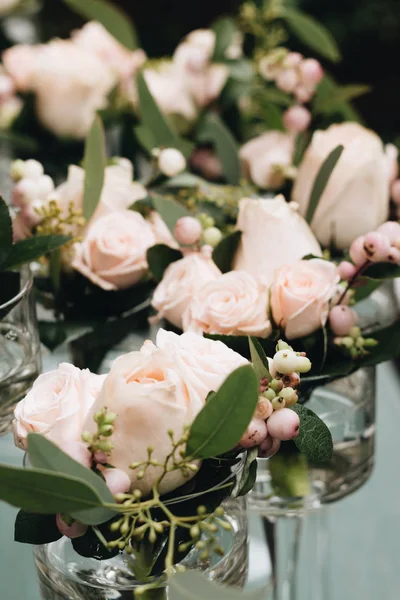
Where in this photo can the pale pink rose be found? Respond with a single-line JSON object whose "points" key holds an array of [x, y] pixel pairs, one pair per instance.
{"points": [[147, 392], [20, 63], [266, 157], [119, 191], [113, 252], [160, 229], [203, 364], [235, 304], [392, 155], [57, 405], [273, 234], [300, 296], [181, 280], [356, 198]]}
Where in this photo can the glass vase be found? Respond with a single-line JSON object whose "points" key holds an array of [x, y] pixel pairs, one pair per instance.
{"points": [[291, 495], [65, 575]]}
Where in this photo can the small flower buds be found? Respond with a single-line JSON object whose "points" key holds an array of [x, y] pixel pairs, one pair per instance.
{"points": [[171, 162]]}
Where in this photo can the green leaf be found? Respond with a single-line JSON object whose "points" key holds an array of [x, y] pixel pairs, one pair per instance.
{"points": [[55, 269], [154, 121], [259, 359], [314, 439], [225, 251], [159, 257], [193, 585], [43, 454], [382, 271], [365, 289], [224, 29], [249, 474], [312, 33], [225, 417], [6, 232], [184, 180], [94, 164], [213, 129], [290, 477], [32, 248], [275, 95], [145, 138], [35, 529], [328, 103], [321, 181], [327, 89], [110, 16], [169, 210], [43, 492]]}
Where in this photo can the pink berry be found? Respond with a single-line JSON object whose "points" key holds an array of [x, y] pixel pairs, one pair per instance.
{"points": [[78, 451], [391, 230], [287, 80], [311, 71], [346, 270], [117, 481], [296, 119], [187, 231], [293, 59], [255, 433], [376, 246], [394, 255], [76, 530], [357, 252], [396, 191], [284, 424], [264, 409], [304, 93], [342, 319], [268, 447]]}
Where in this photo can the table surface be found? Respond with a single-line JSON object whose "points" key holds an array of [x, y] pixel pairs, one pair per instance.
{"points": [[364, 542]]}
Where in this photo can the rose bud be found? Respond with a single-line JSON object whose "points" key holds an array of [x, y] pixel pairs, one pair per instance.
{"points": [[255, 433], [284, 424], [187, 231], [342, 319], [171, 162], [76, 530], [117, 481], [296, 119]]}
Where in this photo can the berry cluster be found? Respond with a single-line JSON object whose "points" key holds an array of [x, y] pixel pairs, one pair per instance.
{"points": [[382, 245], [190, 232], [354, 343], [273, 420]]}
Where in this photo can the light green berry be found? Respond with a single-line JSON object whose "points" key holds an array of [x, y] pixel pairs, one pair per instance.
{"points": [[212, 236]]}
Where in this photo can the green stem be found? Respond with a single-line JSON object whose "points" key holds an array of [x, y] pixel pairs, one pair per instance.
{"points": [[152, 593]]}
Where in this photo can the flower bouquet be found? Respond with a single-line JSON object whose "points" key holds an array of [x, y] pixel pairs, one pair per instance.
{"points": [[136, 464]]}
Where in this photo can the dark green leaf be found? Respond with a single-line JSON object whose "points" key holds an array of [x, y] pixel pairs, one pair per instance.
{"points": [[154, 121], [145, 138], [55, 269], [94, 164], [328, 103], [275, 95], [381, 271], [225, 251], [35, 529], [314, 439], [312, 33], [224, 419], [110, 16], [213, 129], [43, 492], [327, 89], [196, 586], [388, 347], [259, 359], [6, 232], [249, 473], [159, 257], [365, 289], [32, 248], [321, 181], [52, 334], [169, 210], [224, 29]]}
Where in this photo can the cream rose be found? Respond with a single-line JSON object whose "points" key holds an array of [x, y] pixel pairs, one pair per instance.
{"points": [[235, 304], [273, 234], [204, 364], [300, 296], [57, 405], [356, 199], [113, 252], [181, 280], [266, 157]]}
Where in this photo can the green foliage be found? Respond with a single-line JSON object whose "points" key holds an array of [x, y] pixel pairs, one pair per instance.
{"points": [[225, 417], [94, 164], [169, 210], [32, 248], [224, 29], [314, 439], [289, 473], [259, 359], [249, 472], [339, 96], [159, 257], [110, 16], [225, 251], [321, 181], [213, 129]]}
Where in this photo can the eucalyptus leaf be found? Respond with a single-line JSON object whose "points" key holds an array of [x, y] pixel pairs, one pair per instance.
{"points": [[224, 29], [159, 257], [274, 94], [382, 271], [35, 529], [55, 269], [225, 251], [145, 138], [314, 439], [193, 585], [321, 181], [249, 473], [32, 248], [272, 116], [341, 94], [6, 232], [169, 210], [184, 180], [312, 33], [224, 419], [117, 23], [44, 492], [94, 164], [259, 359], [213, 129]]}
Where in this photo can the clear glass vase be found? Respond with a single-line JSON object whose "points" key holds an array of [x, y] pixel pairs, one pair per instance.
{"points": [[65, 575], [289, 491]]}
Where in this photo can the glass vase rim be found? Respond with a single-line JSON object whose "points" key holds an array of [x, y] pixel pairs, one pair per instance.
{"points": [[27, 281]]}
